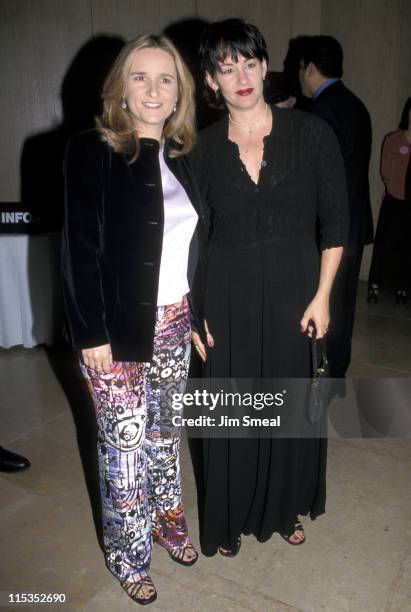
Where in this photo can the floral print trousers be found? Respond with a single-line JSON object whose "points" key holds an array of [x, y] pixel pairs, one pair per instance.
{"points": [[138, 447]]}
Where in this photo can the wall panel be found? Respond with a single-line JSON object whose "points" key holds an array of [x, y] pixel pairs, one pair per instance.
{"points": [[404, 72], [37, 43], [306, 17], [129, 18]]}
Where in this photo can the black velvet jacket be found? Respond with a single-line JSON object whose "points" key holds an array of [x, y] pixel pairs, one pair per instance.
{"points": [[112, 243]]}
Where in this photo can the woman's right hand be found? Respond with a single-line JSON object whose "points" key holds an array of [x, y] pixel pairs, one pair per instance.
{"points": [[198, 343], [99, 358]]}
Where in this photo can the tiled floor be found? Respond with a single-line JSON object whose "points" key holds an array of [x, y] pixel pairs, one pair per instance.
{"points": [[357, 557]]}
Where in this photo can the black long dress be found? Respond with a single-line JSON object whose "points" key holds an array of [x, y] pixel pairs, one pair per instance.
{"points": [[263, 269]]}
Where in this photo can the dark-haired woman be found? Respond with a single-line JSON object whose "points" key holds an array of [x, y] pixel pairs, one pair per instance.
{"points": [[129, 223], [391, 261], [267, 176]]}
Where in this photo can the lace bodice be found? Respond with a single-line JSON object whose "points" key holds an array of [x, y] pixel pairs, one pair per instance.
{"points": [[301, 183]]}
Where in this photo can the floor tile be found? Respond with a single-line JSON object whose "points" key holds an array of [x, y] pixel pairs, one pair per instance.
{"points": [[357, 557]]}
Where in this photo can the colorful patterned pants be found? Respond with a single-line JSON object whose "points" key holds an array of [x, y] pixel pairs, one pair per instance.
{"points": [[138, 451]]}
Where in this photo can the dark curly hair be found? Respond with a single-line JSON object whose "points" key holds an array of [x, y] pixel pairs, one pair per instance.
{"points": [[231, 37]]}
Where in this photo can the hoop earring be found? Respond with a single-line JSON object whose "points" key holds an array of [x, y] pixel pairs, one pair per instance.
{"points": [[123, 104]]}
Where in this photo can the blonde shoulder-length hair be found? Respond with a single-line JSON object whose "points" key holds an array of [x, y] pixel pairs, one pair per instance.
{"points": [[116, 123]]}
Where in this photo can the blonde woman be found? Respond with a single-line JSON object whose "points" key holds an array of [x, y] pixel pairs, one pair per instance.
{"points": [[131, 214]]}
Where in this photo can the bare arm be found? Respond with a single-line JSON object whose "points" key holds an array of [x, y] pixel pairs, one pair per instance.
{"points": [[319, 308], [333, 214]]}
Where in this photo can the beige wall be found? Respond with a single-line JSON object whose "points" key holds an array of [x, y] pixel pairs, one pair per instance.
{"points": [[375, 35], [39, 39], [129, 18], [37, 43]]}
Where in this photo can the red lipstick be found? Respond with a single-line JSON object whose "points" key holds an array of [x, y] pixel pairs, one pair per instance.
{"points": [[244, 92]]}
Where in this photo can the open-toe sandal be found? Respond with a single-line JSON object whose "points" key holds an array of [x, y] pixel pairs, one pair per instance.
{"points": [[177, 554], [135, 590], [297, 527], [230, 552]]}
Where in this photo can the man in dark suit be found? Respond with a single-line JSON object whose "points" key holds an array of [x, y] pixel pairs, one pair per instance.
{"points": [[321, 68]]}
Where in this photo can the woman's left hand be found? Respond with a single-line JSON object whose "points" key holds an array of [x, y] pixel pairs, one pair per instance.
{"points": [[318, 311]]}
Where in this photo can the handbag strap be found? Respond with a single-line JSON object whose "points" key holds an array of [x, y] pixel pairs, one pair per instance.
{"points": [[318, 346]]}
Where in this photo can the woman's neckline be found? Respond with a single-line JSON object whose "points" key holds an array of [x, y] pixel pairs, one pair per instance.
{"points": [[232, 143], [274, 122]]}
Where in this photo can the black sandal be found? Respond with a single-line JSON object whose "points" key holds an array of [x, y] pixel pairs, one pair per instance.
{"points": [[133, 589], [177, 554], [227, 552], [298, 526]]}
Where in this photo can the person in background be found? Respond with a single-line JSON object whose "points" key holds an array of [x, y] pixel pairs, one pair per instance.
{"points": [[391, 261], [321, 69], [131, 211], [11, 462]]}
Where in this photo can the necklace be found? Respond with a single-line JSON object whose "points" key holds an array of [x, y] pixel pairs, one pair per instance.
{"points": [[250, 126]]}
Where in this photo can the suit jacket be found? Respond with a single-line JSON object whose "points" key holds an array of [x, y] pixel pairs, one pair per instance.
{"points": [[112, 243], [351, 122]]}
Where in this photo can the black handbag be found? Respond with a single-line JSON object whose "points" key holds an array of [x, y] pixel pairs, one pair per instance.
{"points": [[321, 383]]}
